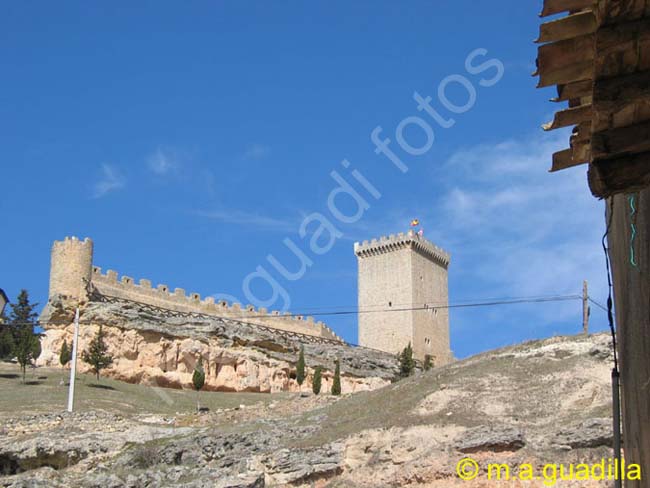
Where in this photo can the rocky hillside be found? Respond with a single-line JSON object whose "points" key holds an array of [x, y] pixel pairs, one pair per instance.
{"points": [[544, 401], [154, 349]]}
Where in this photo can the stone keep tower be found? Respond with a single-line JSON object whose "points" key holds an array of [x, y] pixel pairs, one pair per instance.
{"points": [[71, 267], [401, 272]]}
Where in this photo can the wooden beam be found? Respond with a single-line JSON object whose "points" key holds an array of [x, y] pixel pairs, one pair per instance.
{"points": [[581, 133], [620, 141], [622, 88], [622, 11], [565, 53], [615, 37], [624, 174], [568, 117], [577, 89], [581, 151], [569, 27], [569, 74], [563, 160], [552, 7], [622, 49]]}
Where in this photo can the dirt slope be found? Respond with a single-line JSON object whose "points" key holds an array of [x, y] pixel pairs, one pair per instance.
{"points": [[544, 401]]}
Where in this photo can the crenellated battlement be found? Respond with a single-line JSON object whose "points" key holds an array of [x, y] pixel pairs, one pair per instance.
{"points": [[72, 269], [125, 287], [394, 242]]}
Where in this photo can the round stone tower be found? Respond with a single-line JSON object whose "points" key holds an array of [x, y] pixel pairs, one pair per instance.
{"points": [[71, 267]]}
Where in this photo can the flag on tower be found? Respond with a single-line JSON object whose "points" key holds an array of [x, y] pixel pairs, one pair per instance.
{"points": [[415, 223]]}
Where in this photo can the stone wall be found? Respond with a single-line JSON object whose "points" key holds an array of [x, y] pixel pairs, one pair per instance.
{"points": [[430, 326], [71, 265], [72, 269], [179, 300]]}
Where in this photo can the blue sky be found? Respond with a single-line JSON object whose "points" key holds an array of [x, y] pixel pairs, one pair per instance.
{"points": [[189, 140]]}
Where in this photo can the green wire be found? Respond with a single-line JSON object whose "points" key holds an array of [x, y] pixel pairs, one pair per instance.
{"points": [[633, 228]]}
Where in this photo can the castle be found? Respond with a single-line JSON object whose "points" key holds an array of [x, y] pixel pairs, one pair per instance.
{"points": [[403, 296], [72, 274]]}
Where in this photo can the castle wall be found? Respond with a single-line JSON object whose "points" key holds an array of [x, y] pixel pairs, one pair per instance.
{"points": [[72, 269], [431, 326], [385, 284], [404, 271], [125, 287]]}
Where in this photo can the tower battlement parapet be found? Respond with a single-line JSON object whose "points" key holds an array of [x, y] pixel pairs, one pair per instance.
{"points": [[402, 240], [71, 267]]}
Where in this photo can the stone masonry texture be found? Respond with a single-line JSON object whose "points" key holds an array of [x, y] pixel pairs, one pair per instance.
{"points": [[403, 296]]}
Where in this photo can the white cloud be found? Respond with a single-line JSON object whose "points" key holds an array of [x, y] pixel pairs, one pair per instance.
{"points": [[162, 162], [250, 219], [111, 181], [518, 230], [256, 151], [514, 230]]}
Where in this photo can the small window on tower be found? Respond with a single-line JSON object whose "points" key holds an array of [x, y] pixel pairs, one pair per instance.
{"points": [[390, 304]]}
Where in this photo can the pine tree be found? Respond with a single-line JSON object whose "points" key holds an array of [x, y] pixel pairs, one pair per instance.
{"points": [[406, 362], [428, 362], [22, 314], [336, 384], [22, 321], [300, 366], [316, 383], [7, 344], [97, 354], [198, 380], [27, 344]]}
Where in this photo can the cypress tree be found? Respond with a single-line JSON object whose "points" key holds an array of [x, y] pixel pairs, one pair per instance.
{"points": [[97, 354], [300, 366], [336, 384], [65, 355], [428, 362], [316, 383], [406, 362], [198, 380]]}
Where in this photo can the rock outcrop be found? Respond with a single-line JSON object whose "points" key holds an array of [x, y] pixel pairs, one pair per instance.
{"points": [[154, 349], [540, 402]]}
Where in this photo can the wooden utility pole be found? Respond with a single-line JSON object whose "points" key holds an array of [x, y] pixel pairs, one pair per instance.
{"points": [[585, 308]]}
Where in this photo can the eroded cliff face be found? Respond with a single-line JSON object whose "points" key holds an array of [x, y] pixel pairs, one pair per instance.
{"points": [[163, 351]]}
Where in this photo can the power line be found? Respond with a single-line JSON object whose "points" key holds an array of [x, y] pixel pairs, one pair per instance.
{"points": [[426, 306], [432, 306], [597, 304]]}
